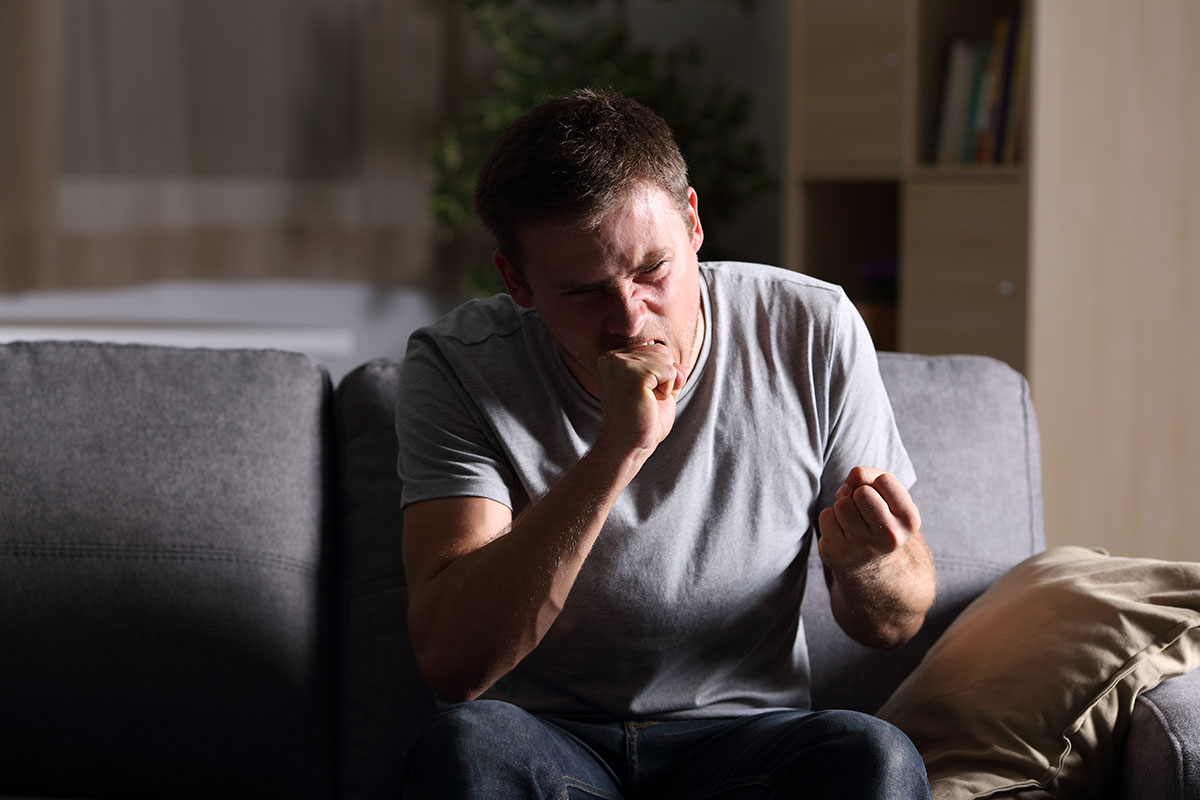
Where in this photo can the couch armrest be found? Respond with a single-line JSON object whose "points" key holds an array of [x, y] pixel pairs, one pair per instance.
{"points": [[1162, 753]]}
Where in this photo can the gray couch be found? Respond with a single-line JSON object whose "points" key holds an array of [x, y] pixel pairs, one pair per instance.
{"points": [[201, 591]]}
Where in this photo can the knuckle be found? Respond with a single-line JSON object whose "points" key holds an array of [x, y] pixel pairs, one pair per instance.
{"points": [[910, 518], [887, 480]]}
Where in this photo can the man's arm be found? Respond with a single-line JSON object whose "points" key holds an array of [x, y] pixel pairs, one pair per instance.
{"points": [[484, 588], [880, 573]]}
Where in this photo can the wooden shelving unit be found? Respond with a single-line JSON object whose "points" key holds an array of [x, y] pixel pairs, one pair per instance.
{"points": [[864, 190], [1080, 265]]}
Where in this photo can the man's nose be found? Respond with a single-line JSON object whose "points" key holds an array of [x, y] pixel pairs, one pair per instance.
{"points": [[627, 312]]}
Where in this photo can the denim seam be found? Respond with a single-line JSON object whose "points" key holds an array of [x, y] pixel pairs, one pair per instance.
{"points": [[632, 732], [575, 783]]}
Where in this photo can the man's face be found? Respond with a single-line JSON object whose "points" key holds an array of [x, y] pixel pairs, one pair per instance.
{"points": [[633, 279]]}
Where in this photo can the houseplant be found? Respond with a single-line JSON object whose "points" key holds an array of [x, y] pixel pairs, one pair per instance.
{"points": [[543, 48]]}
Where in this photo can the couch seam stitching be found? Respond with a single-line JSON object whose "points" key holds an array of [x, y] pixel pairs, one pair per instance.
{"points": [[142, 553]]}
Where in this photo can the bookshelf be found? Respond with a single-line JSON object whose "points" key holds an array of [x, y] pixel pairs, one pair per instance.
{"points": [[1079, 264], [930, 240]]}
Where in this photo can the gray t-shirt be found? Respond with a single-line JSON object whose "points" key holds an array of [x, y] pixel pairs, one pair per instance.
{"points": [[689, 603]]}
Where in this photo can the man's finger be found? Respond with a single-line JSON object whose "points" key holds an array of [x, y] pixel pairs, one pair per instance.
{"points": [[863, 476], [652, 363], [873, 508], [885, 529], [849, 518], [898, 500], [859, 476], [664, 381], [828, 523]]}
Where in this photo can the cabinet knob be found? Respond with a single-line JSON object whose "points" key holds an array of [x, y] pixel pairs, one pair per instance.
{"points": [[1006, 288], [891, 60]]}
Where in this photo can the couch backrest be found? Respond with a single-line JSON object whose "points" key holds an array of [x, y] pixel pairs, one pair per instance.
{"points": [[382, 698], [168, 544], [969, 427], [968, 424], [164, 522]]}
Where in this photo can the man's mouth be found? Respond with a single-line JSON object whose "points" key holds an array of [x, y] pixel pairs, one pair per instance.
{"points": [[630, 343]]}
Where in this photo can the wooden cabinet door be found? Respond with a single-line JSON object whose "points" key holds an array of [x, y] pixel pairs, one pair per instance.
{"points": [[963, 274], [852, 81]]}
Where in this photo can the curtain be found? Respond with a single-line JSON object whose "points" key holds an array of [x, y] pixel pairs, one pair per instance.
{"points": [[30, 60], [216, 139]]}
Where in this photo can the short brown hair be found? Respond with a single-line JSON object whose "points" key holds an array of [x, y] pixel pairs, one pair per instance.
{"points": [[571, 160]]}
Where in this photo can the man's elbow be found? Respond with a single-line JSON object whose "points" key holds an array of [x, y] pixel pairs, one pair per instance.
{"points": [[447, 676], [895, 636], [899, 628], [880, 634]]}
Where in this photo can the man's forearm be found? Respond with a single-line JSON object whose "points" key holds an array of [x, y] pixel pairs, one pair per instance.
{"points": [[486, 592], [488, 609], [882, 604]]}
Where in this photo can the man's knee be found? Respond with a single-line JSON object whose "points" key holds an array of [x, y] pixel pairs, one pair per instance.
{"points": [[487, 748], [471, 730], [456, 754], [888, 764]]}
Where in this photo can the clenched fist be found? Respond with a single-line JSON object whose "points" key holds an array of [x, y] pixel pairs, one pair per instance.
{"points": [[872, 517], [638, 389]]}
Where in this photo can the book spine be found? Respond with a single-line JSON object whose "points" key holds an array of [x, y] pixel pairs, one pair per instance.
{"points": [[956, 95], [1000, 119], [978, 81], [1015, 136], [989, 106]]}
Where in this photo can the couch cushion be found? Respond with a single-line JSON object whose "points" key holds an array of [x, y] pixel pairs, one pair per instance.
{"points": [[1033, 686], [969, 427], [1162, 751], [382, 696], [162, 525]]}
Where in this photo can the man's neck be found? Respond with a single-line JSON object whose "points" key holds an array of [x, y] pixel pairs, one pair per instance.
{"points": [[698, 339]]}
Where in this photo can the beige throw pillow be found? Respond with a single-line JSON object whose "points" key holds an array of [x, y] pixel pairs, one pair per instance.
{"points": [[1030, 690]]}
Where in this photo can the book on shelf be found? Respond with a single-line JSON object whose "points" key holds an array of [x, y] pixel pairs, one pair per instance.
{"points": [[956, 100], [985, 95], [966, 146], [993, 95], [1017, 124]]}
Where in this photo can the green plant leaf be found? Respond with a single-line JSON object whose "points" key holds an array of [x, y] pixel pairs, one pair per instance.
{"points": [[551, 47]]}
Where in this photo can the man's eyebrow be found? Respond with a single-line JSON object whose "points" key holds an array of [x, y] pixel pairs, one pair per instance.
{"points": [[654, 257], [650, 260]]}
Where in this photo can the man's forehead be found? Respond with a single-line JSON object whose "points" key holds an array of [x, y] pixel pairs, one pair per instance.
{"points": [[642, 201], [624, 240]]}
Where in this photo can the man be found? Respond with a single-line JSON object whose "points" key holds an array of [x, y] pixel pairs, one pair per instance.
{"points": [[611, 478]]}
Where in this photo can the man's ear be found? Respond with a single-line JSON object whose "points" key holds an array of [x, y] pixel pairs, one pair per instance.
{"points": [[697, 232], [514, 281]]}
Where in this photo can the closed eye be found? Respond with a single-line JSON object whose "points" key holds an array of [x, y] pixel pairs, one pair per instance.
{"points": [[653, 272], [650, 271]]}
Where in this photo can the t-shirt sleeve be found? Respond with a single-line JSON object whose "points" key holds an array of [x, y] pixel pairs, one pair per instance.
{"points": [[447, 449], [862, 425]]}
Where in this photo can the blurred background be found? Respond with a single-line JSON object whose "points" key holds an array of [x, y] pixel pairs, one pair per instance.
{"points": [[1006, 177], [188, 170]]}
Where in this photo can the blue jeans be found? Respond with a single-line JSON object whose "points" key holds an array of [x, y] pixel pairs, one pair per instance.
{"points": [[496, 751]]}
